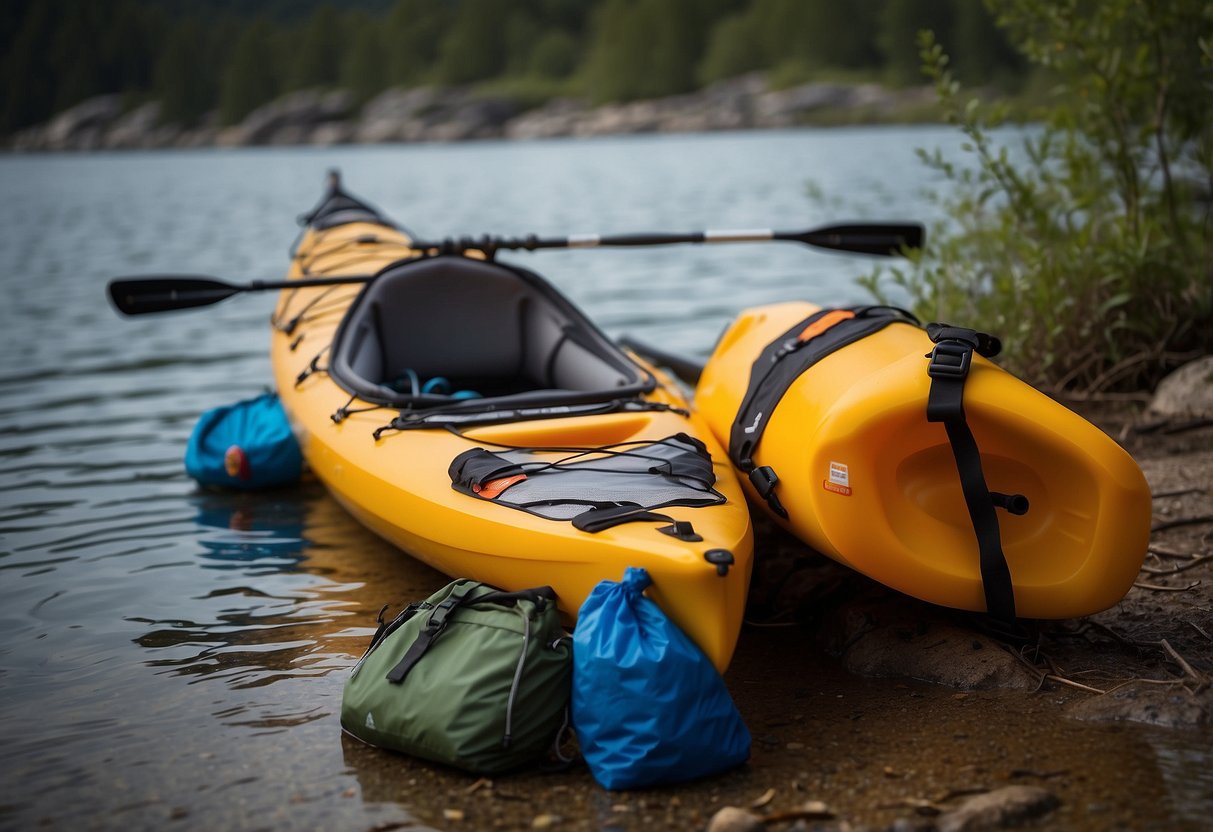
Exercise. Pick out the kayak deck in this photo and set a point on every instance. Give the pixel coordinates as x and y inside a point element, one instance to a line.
<point>397,481</point>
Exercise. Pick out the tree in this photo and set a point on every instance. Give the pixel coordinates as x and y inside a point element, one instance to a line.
<point>980,49</point>
<point>647,48</point>
<point>412,35</point>
<point>555,55</point>
<point>899,22</point>
<point>1092,256</point>
<point>249,79</point>
<point>316,58</point>
<point>185,93</point>
<point>362,65</point>
<point>474,47</point>
<point>735,47</point>
<point>27,71</point>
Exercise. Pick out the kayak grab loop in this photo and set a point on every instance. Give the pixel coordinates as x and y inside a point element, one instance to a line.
<point>948,367</point>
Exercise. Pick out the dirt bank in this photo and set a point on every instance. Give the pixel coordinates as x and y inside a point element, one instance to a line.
<point>873,711</point>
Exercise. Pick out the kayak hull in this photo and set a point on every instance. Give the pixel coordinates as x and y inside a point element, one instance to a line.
<point>397,483</point>
<point>868,481</point>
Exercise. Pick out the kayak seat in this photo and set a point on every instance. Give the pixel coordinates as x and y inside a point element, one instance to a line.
<point>500,331</point>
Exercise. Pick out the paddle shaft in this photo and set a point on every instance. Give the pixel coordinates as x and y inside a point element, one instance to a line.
<point>138,296</point>
<point>143,295</point>
<point>886,239</point>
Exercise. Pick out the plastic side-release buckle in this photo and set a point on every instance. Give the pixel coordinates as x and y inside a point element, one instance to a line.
<point>950,359</point>
<point>765,479</point>
<point>442,611</point>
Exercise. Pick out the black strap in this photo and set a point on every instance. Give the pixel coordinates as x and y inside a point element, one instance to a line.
<point>598,519</point>
<point>434,625</point>
<point>779,365</point>
<point>948,369</point>
<point>540,596</point>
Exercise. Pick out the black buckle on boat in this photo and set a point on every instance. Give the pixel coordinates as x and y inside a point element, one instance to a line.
<point>950,359</point>
<point>764,480</point>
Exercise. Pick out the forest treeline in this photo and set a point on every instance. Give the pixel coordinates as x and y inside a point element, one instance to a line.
<point>227,57</point>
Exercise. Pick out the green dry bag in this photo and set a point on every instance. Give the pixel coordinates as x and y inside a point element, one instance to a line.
<point>473,677</point>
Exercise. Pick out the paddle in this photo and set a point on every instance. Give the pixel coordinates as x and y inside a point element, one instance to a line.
<point>881,239</point>
<point>142,295</point>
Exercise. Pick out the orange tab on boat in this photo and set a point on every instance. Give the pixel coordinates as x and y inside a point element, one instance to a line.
<point>829,319</point>
<point>492,489</point>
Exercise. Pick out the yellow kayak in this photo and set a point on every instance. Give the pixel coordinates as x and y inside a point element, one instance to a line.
<point>465,411</point>
<point>1046,517</point>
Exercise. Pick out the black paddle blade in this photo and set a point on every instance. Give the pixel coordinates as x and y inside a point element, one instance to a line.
<point>882,240</point>
<point>144,295</point>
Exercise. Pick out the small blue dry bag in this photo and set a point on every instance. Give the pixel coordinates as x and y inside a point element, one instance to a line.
<point>246,445</point>
<point>648,706</point>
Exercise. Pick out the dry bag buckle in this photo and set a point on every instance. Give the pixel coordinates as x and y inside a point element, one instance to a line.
<point>950,359</point>
<point>437,619</point>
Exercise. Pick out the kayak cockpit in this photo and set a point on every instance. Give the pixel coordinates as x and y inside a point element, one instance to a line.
<point>452,333</point>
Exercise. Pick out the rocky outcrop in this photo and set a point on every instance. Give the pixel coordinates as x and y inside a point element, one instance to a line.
<point>1187,392</point>
<point>433,114</point>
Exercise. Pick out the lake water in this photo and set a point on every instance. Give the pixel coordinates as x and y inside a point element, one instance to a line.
<point>174,659</point>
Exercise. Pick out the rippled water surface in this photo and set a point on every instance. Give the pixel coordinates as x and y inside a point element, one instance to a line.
<point>176,656</point>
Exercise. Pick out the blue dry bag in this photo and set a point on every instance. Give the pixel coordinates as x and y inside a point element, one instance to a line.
<point>648,705</point>
<point>246,445</point>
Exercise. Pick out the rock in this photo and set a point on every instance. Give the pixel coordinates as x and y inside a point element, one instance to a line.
<point>734,819</point>
<point>472,118</point>
<point>138,128</point>
<point>1186,392</point>
<point>1167,707</point>
<point>389,116</point>
<point>291,118</point>
<point>81,127</point>
<point>783,107</point>
<point>558,117</point>
<point>896,637</point>
<point>455,114</point>
<point>1008,806</point>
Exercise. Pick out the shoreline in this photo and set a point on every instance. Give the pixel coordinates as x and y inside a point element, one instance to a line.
<point>434,114</point>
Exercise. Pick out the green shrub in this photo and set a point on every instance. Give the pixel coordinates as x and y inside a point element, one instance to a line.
<point>1090,251</point>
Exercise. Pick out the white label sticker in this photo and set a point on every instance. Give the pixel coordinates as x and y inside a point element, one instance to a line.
<point>839,475</point>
